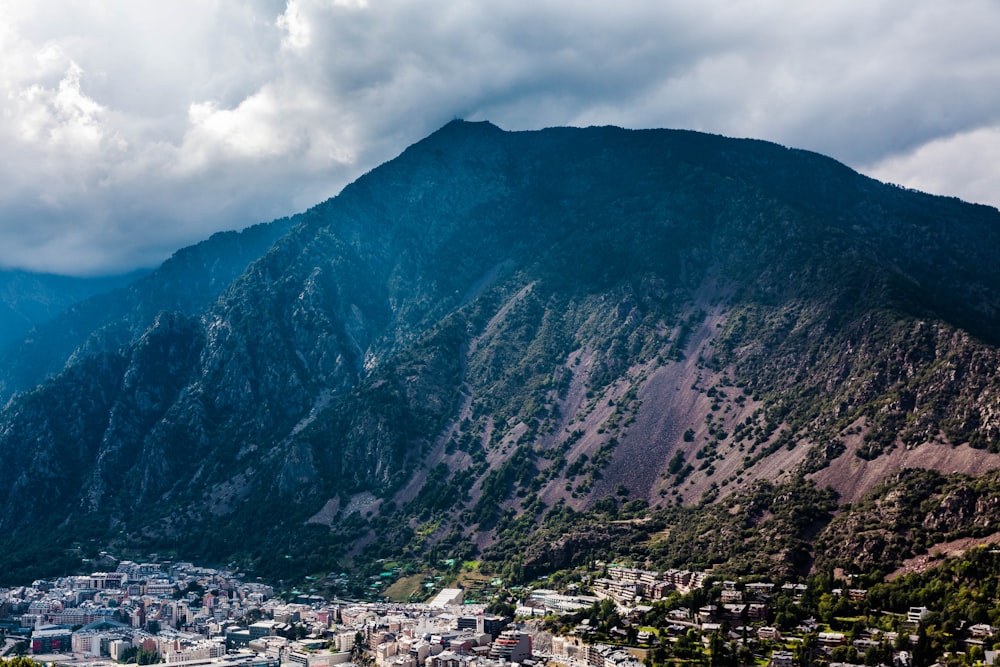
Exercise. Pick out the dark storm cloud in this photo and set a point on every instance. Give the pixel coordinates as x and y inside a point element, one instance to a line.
<point>130,129</point>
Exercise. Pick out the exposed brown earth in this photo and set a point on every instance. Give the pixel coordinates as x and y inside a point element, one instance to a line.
<point>673,397</point>
<point>938,551</point>
<point>852,477</point>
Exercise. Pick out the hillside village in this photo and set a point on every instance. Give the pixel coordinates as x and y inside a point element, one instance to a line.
<point>180,614</point>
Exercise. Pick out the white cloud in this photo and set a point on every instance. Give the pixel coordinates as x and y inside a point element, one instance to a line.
<point>965,165</point>
<point>252,131</point>
<point>297,30</point>
<point>141,127</point>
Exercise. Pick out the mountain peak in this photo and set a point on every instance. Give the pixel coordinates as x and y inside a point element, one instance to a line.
<point>458,127</point>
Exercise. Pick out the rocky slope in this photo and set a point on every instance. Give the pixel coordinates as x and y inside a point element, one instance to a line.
<point>497,328</point>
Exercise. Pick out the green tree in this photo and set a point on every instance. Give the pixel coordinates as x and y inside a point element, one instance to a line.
<point>806,649</point>
<point>19,661</point>
<point>144,657</point>
<point>922,655</point>
<point>720,653</point>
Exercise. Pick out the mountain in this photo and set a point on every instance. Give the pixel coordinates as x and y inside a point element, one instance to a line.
<point>499,334</point>
<point>28,299</point>
<point>112,313</point>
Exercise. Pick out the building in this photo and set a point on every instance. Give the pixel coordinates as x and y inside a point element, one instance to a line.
<point>87,643</point>
<point>782,659</point>
<point>760,591</point>
<point>829,639</point>
<point>263,629</point>
<point>756,611</point>
<point>447,659</point>
<point>602,655</point>
<point>199,652</point>
<point>298,658</point>
<point>512,646</point>
<point>117,649</point>
<point>160,587</point>
<point>627,585</point>
<point>236,639</point>
<point>491,625</point>
<point>446,598</point>
<point>467,623</point>
<point>795,590</point>
<point>624,592</point>
<point>53,640</point>
<point>345,641</point>
<point>981,630</point>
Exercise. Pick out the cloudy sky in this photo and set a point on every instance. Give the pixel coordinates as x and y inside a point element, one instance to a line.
<point>131,128</point>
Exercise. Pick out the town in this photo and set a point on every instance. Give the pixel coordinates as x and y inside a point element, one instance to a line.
<point>617,616</point>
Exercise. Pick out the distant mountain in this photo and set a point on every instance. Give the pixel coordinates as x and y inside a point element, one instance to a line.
<point>119,310</point>
<point>495,332</point>
<point>28,299</point>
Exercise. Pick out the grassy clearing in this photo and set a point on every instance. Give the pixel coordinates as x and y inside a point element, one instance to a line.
<point>407,589</point>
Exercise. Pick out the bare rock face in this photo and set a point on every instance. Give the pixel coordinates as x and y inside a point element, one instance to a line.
<point>494,325</point>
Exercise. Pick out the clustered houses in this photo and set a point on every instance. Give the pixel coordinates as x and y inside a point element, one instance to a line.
<point>174,610</point>
<point>738,613</point>
<point>749,604</point>
<point>628,585</point>
<point>422,636</point>
<point>543,601</point>
<point>602,655</point>
<point>181,615</point>
<point>197,617</point>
